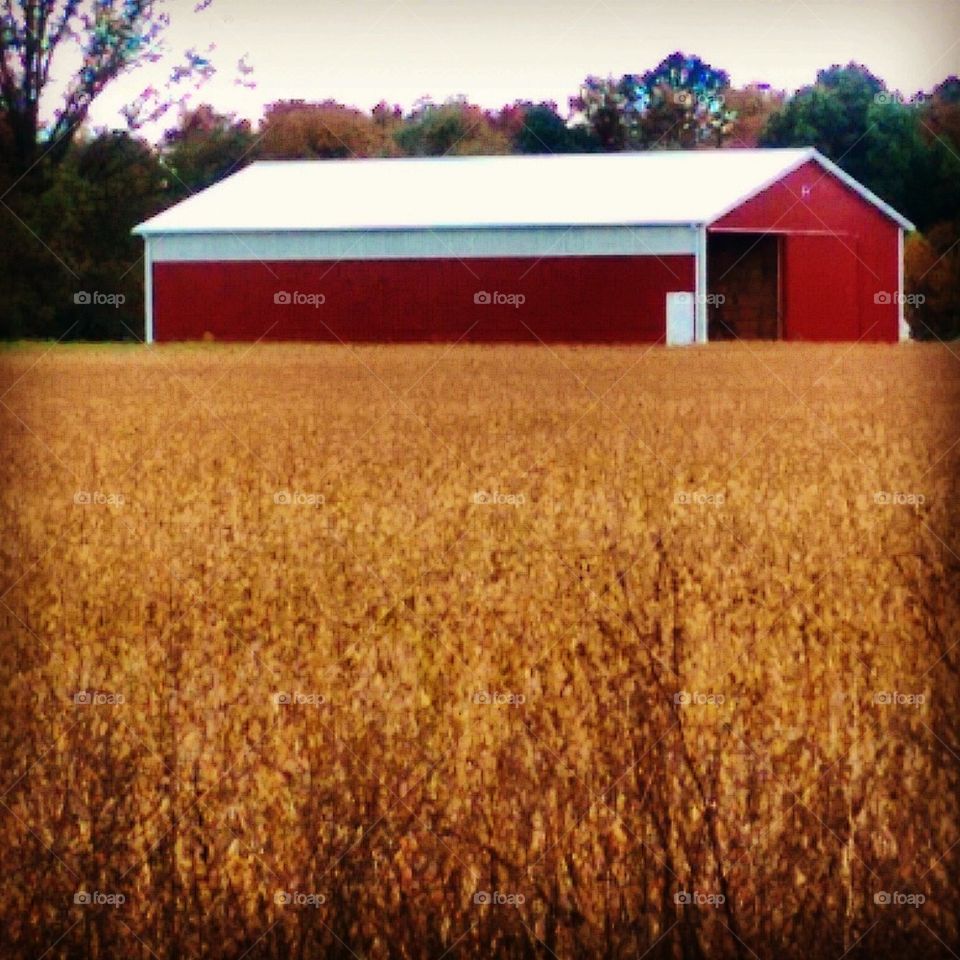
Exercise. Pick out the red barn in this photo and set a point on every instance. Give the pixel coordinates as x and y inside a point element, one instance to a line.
<point>673,247</point>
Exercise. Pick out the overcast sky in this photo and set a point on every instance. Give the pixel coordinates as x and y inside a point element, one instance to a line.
<point>362,51</point>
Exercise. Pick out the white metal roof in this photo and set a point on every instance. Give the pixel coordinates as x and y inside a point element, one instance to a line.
<point>658,187</point>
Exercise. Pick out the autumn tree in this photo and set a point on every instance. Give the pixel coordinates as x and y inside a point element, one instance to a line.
<point>750,109</point>
<point>300,130</point>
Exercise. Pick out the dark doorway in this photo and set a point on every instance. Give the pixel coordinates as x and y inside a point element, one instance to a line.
<point>743,280</point>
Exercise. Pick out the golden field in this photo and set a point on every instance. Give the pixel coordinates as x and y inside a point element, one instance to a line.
<point>377,651</point>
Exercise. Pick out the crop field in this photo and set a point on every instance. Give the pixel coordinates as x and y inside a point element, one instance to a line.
<point>457,651</point>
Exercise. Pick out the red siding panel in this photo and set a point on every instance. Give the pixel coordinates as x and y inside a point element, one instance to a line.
<point>836,287</point>
<point>585,299</point>
<point>820,288</point>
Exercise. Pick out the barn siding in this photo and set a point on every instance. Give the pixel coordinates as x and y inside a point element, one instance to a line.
<point>567,299</point>
<point>840,252</point>
<point>443,242</point>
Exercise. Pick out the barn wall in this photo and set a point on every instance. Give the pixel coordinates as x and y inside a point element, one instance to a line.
<point>586,299</point>
<point>443,243</point>
<point>840,268</point>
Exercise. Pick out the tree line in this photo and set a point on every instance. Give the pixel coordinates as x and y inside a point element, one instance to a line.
<point>69,199</point>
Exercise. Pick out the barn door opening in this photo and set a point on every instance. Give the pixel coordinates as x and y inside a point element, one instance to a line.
<point>743,276</point>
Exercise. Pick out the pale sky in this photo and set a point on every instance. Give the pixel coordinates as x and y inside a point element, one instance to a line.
<point>361,51</point>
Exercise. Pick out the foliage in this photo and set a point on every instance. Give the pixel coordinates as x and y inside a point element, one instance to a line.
<point>297,130</point>
<point>750,109</point>
<point>602,106</point>
<point>453,128</point>
<point>73,237</point>
<point>831,115</point>
<point>932,271</point>
<point>679,103</point>
<point>105,37</point>
<point>539,128</point>
<point>205,147</point>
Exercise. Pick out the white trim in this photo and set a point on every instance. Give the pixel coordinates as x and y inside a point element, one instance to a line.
<point>776,231</point>
<point>700,308</point>
<point>147,290</point>
<point>452,243</point>
<point>902,326</point>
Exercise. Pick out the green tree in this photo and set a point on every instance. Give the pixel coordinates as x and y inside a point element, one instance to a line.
<point>205,147</point>
<point>104,186</point>
<point>539,128</point>
<point>453,128</point>
<point>833,115</point>
<point>939,118</point>
<point>897,163</point>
